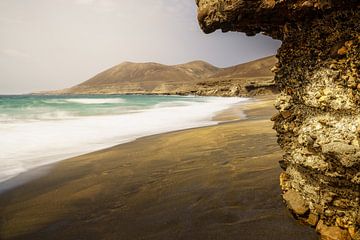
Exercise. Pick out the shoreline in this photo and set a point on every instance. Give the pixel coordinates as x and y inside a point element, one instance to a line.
<point>212,182</point>
<point>221,117</point>
<point>56,157</point>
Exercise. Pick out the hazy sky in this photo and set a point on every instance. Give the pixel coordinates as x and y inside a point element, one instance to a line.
<point>59,43</point>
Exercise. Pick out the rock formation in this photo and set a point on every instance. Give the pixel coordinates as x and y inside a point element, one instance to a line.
<point>318,123</point>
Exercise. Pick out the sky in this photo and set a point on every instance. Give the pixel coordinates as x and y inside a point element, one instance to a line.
<point>48,45</point>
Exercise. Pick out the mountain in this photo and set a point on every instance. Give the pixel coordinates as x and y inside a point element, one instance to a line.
<point>197,77</point>
<point>260,67</point>
<point>247,79</point>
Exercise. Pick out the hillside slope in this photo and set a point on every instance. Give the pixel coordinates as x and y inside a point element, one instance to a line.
<point>259,67</point>
<point>251,78</point>
<point>197,77</point>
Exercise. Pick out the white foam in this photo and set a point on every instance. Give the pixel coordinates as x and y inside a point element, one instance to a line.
<point>51,115</point>
<point>95,100</point>
<point>26,145</point>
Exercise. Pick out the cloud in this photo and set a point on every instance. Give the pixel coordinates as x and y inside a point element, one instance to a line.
<point>98,5</point>
<point>175,9</point>
<point>183,10</point>
<point>84,2</point>
<point>13,53</point>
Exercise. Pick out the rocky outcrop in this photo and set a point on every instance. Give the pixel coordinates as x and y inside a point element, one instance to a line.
<point>318,123</point>
<point>197,78</point>
<point>245,87</point>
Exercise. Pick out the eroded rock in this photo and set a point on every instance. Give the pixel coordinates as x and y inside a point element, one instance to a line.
<point>318,124</point>
<point>295,202</point>
<point>332,233</point>
<point>313,219</point>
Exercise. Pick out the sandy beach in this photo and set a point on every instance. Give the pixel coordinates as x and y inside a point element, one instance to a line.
<point>218,182</point>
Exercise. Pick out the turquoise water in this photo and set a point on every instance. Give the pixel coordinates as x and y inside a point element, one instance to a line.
<point>61,107</point>
<point>38,130</point>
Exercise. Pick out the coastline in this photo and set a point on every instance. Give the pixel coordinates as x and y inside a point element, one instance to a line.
<point>75,125</point>
<point>213,182</point>
<point>221,117</point>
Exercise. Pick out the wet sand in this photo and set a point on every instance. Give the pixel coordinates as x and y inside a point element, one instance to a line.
<point>218,182</point>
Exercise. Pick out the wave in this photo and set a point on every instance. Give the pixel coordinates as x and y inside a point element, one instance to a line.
<point>173,104</point>
<point>95,100</point>
<point>50,115</point>
<point>26,145</point>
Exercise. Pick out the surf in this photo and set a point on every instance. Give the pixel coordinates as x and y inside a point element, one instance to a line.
<point>37,140</point>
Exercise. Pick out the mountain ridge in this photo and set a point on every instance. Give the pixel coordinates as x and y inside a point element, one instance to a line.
<point>196,77</point>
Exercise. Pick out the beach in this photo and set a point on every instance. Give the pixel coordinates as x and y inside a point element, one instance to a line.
<point>214,182</point>
<point>57,127</point>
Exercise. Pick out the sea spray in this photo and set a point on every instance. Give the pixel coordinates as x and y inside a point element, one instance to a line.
<point>38,130</point>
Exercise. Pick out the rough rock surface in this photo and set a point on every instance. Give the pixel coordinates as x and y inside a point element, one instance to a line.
<point>295,202</point>
<point>318,123</point>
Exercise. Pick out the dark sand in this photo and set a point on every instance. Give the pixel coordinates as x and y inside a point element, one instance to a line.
<point>218,182</point>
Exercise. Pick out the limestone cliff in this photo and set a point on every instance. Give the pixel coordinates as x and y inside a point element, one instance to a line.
<point>318,123</point>
<point>197,77</point>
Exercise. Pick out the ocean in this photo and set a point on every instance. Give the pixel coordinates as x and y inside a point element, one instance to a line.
<point>39,130</point>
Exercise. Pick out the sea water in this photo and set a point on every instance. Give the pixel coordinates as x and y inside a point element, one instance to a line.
<point>38,130</point>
